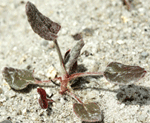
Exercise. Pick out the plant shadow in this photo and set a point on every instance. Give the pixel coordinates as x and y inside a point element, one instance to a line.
<point>27,89</point>
<point>129,94</point>
<point>134,95</point>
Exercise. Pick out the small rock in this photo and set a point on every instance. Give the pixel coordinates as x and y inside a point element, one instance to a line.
<point>91,95</point>
<point>22,2</point>
<point>77,36</point>
<point>44,43</point>
<point>29,67</point>
<point>23,59</point>
<point>10,94</point>
<point>51,74</point>
<point>24,111</point>
<point>86,53</point>
<point>88,32</point>
<point>1,91</point>
<point>3,4</point>
<point>62,101</point>
<point>142,117</point>
<point>35,52</point>
<point>122,106</point>
<point>144,54</point>
<point>142,10</point>
<point>51,45</point>
<point>124,19</point>
<point>64,31</point>
<point>110,41</point>
<point>2,98</point>
<point>120,42</point>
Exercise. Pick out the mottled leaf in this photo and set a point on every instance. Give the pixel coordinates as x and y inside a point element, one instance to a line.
<point>41,24</point>
<point>73,55</point>
<point>17,79</point>
<point>88,112</point>
<point>123,74</point>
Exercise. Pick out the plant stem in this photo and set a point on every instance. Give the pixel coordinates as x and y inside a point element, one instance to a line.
<point>74,96</point>
<point>46,81</point>
<point>128,3</point>
<point>60,58</point>
<point>75,75</point>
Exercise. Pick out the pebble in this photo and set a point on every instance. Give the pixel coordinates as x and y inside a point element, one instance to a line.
<point>91,95</point>
<point>10,93</point>
<point>88,32</point>
<point>122,106</point>
<point>144,54</point>
<point>35,52</point>
<point>2,98</point>
<point>44,43</point>
<point>142,10</point>
<point>142,117</point>
<point>24,111</point>
<point>124,19</point>
<point>1,91</point>
<point>64,31</point>
<point>120,42</point>
<point>51,73</point>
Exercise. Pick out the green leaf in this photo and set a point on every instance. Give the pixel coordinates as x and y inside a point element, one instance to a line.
<point>18,79</point>
<point>88,112</point>
<point>123,74</point>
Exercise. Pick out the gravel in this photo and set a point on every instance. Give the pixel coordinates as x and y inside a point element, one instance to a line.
<point>110,32</point>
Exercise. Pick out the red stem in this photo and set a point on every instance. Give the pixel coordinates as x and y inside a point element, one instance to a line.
<point>74,96</point>
<point>46,81</point>
<point>75,75</point>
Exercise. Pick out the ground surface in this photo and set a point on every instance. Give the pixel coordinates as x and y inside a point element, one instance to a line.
<point>111,33</point>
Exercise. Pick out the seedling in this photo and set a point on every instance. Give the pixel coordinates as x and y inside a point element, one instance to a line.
<point>115,72</point>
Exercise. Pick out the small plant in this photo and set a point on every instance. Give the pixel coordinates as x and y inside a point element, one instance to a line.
<point>115,72</point>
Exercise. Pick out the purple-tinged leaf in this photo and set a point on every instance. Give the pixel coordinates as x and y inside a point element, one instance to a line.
<point>73,55</point>
<point>43,101</point>
<point>123,74</point>
<point>18,79</point>
<point>88,112</point>
<point>73,69</point>
<point>41,24</point>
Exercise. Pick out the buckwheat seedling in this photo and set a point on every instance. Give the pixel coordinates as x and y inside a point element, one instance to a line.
<point>115,72</point>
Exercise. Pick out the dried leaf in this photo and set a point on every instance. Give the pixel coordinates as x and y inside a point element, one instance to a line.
<point>123,74</point>
<point>41,24</point>
<point>18,79</point>
<point>88,112</point>
<point>72,56</point>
